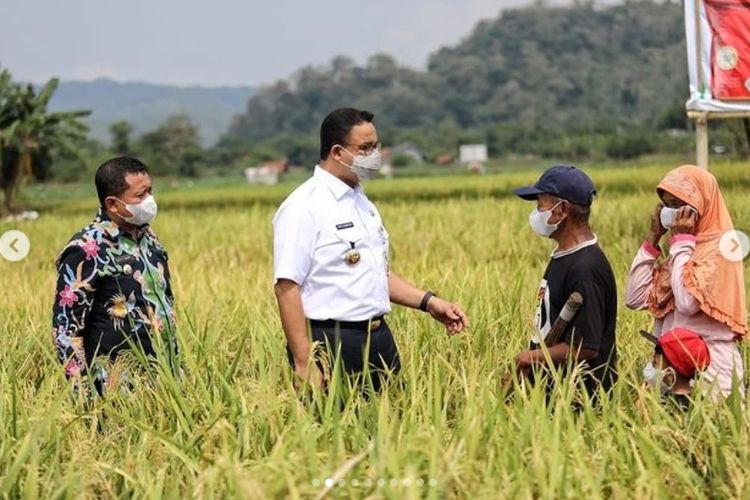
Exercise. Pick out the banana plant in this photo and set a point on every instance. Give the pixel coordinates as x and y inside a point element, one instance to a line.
<point>27,128</point>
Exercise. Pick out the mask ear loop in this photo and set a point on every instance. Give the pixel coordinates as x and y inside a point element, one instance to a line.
<point>673,372</point>
<point>557,205</point>
<point>557,224</point>
<point>350,167</point>
<point>551,209</point>
<point>125,205</point>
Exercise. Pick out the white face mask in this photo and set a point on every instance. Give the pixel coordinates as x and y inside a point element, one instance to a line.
<point>365,167</point>
<point>143,212</point>
<point>539,221</point>
<point>667,216</point>
<point>653,376</point>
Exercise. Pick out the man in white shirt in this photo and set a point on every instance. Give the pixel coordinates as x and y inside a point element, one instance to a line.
<point>331,268</point>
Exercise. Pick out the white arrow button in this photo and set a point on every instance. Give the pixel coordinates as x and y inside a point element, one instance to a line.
<point>14,245</point>
<point>734,245</point>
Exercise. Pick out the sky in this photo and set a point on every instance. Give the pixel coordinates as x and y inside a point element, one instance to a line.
<point>221,42</point>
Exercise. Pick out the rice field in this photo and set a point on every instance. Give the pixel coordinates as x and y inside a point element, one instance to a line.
<point>230,426</point>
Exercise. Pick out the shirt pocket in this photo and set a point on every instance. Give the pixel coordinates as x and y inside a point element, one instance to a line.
<point>120,278</point>
<point>334,244</point>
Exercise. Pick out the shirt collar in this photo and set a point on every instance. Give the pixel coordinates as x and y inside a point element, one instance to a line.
<point>557,254</point>
<point>338,187</point>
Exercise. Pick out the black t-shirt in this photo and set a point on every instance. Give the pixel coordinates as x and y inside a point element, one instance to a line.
<point>588,272</point>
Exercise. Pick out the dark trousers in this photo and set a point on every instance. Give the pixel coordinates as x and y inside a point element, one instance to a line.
<point>350,345</point>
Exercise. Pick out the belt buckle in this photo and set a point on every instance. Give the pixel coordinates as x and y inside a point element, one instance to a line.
<point>375,324</point>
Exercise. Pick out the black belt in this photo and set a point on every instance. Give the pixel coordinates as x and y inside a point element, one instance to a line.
<point>364,326</point>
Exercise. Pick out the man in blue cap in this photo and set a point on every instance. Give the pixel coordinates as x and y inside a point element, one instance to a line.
<point>563,196</point>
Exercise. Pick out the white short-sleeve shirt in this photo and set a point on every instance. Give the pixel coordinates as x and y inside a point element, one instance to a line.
<point>313,230</point>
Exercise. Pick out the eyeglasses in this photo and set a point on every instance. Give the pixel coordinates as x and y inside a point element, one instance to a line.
<point>366,149</point>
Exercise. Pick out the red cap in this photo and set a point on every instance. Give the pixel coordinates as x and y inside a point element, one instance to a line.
<point>685,350</point>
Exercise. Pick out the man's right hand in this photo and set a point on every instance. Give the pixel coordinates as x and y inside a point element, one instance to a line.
<point>656,231</point>
<point>73,369</point>
<point>305,373</point>
<point>293,322</point>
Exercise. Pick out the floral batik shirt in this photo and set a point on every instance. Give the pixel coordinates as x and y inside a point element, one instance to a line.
<point>113,294</point>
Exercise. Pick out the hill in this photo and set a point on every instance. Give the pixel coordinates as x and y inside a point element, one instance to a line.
<point>147,105</point>
<point>520,82</point>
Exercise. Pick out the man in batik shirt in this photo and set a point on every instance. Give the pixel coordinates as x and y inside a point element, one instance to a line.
<point>113,288</point>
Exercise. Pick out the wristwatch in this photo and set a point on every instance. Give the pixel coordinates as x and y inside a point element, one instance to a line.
<point>425,300</point>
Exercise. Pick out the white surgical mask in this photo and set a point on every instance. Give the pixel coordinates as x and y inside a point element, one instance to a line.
<point>539,221</point>
<point>667,216</point>
<point>143,212</point>
<point>365,167</point>
<point>654,376</point>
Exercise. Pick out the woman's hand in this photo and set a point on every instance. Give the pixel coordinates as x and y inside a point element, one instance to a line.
<point>686,221</point>
<point>656,231</point>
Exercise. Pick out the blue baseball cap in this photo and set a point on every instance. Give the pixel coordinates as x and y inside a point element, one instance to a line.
<point>564,181</point>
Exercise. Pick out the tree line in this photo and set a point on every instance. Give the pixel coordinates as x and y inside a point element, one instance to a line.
<point>570,83</point>
<point>573,82</point>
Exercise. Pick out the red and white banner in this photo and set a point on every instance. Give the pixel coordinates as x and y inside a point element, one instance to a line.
<point>718,43</point>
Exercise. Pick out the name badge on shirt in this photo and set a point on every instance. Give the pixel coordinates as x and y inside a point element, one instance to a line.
<point>344,225</point>
<point>124,259</point>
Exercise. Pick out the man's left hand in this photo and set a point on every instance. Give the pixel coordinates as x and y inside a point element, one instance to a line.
<point>451,315</point>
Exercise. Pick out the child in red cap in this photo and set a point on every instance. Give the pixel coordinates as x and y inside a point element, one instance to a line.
<point>678,355</point>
